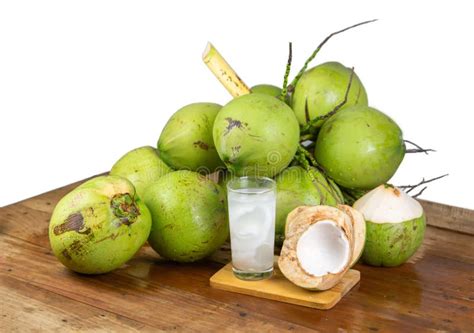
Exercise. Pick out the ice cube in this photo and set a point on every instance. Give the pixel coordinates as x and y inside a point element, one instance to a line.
<point>244,260</point>
<point>264,256</point>
<point>252,224</point>
<point>253,260</point>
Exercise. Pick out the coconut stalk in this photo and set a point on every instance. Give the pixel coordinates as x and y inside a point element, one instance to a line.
<point>418,149</point>
<point>316,51</point>
<point>409,188</point>
<point>311,124</point>
<point>284,90</point>
<point>224,72</point>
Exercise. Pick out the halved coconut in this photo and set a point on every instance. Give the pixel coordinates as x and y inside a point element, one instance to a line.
<point>318,247</point>
<point>359,228</point>
<point>395,226</point>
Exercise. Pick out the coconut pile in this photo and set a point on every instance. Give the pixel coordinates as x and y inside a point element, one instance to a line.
<point>330,153</point>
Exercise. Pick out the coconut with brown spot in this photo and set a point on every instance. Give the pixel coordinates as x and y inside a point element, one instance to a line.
<point>99,226</point>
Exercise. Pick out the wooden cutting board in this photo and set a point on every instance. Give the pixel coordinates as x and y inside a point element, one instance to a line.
<point>278,288</point>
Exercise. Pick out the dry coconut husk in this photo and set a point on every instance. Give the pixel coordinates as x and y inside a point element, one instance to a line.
<point>359,228</point>
<point>318,247</point>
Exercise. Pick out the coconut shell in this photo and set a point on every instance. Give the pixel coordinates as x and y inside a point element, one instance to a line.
<point>359,228</point>
<point>392,244</point>
<point>298,221</point>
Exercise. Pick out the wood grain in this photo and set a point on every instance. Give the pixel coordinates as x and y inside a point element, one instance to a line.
<point>278,288</point>
<point>449,217</point>
<point>38,309</point>
<point>433,291</point>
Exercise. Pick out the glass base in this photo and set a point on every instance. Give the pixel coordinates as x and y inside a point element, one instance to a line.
<point>252,276</point>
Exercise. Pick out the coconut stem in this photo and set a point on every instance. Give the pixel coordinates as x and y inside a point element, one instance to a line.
<point>315,52</point>
<point>124,208</point>
<point>409,188</point>
<point>284,90</point>
<point>349,198</point>
<point>312,123</point>
<point>302,156</point>
<point>306,137</point>
<point>418,148</point>
<point>306,111</point>
<point>308,155</point>
<point>420,192</point>
<point>224,73</point>
<point>299,156</point>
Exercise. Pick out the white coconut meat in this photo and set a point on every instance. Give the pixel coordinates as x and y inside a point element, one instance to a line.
<point>318,247</point>
<point>323,248</point>
<point>388,204</point>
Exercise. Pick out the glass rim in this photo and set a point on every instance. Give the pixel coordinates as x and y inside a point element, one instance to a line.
<point>269,186</point>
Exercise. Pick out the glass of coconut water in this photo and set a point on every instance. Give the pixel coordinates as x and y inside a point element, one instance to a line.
<point>252,204</point>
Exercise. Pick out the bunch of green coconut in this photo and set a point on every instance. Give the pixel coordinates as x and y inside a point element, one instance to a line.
<point>316,136</point>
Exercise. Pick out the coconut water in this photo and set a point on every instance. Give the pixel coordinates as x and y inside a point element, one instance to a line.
<point>252,229</point>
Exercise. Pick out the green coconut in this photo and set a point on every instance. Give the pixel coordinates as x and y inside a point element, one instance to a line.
<point>189,216</point>
<point>142,166</point>
<point>360,147</point>
<point>256,135</point>
<point>186,141</point>
<point>99,226</point>
<point>396,226</point>
<point>297,187</point>
<point>322,88</point>
<point>266,89</point>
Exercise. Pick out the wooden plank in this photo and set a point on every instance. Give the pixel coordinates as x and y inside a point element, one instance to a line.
<point>25,307</point>
<point>278,288</point>
<point>433,291</point>
<point>389,299</point>
<point>449,217</point>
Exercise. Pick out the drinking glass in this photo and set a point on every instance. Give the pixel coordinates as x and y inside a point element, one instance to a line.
<point>252,204</point>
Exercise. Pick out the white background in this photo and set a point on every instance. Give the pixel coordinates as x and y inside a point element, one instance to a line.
<point>83,82</point>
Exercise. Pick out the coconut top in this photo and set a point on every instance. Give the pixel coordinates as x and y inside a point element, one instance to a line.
<point>387,204</point>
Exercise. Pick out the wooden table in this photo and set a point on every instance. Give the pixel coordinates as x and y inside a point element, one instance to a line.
<point>434,291</point>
